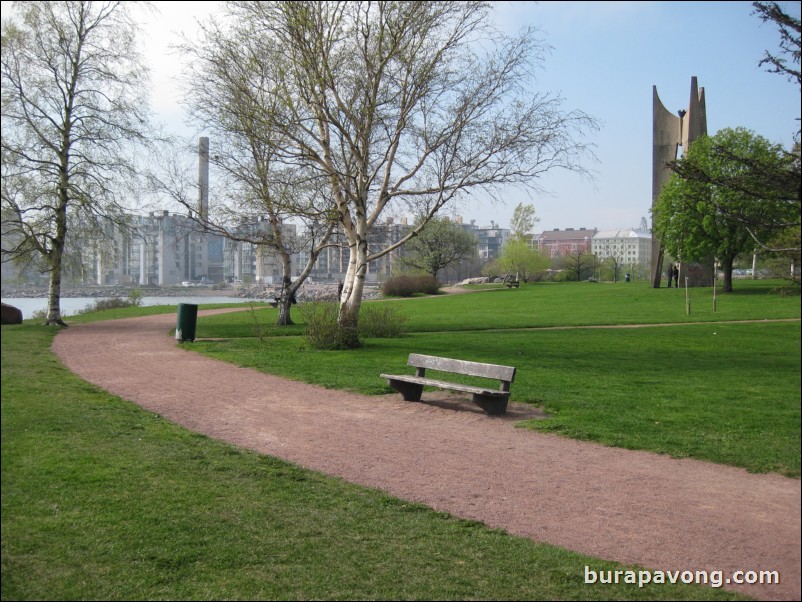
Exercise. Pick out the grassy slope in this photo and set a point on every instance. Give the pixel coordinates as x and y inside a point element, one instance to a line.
<point>102,500</point>
<point>727,393</point>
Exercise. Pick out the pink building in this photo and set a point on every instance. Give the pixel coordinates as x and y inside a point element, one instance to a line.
<point>553,243</point>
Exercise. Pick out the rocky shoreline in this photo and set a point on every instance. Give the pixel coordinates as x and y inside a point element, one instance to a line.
<point>71,292</point>
<point>308,292</point>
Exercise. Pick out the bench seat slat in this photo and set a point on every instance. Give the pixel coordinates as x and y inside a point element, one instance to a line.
<point>444,364</point>
<point>430,382</point>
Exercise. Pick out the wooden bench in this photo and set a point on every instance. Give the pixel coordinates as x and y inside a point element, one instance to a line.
<point>513,284</point>
<point>492,401</point>
<point>277,299</point>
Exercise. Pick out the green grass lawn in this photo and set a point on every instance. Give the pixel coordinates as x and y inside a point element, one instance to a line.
<point>577,304</point>
<point>553,304</point>
<point>103,500</point>
<point>723,392</point>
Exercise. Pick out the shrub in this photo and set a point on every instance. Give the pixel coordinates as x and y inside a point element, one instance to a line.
<point>406,285</point>
<point>134,300</point>
<point>375,321</point>
<point>112,303</point>
<point>135,297</point>
<point>428,284</point>
<point>381,321</point>
<point>322,330</point>
<point>397,286</point>
<point>564,276</point>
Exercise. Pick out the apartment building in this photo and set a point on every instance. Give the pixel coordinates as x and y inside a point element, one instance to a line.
<point>553,243</point>
<point>166,249</point>
<point>490,239</point>
<point>632,246</point>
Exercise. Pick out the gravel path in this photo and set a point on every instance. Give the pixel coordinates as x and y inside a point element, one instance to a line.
<point>633,507</point>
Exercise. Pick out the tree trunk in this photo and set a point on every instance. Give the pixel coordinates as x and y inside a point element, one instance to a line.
<point>55,259</point>
<point>726,269</point>
<point>284,306</point>
<point>287,295</point>
<point>54,297</point>
<point>351,298</point>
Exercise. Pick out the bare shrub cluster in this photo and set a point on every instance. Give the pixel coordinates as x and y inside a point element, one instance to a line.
<point>406,285</point>
<point>325,333</point>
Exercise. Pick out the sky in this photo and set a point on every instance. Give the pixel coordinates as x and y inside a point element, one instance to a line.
<point>604,60</point>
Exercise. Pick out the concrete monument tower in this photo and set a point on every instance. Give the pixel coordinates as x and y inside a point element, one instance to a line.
<point>670,131</point>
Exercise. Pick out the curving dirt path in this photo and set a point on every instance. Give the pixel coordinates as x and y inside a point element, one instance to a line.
<point>633,507</point>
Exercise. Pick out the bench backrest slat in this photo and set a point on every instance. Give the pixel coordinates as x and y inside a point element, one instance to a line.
<point>503,373</point>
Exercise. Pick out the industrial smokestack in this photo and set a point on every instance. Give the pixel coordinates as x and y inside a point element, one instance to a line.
<point>203,178</point>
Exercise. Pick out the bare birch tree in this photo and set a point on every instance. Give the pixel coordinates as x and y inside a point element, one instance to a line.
<point>404,107</point>
<point>254,200</point>
<point>229,95</point>
<point>73,104</point>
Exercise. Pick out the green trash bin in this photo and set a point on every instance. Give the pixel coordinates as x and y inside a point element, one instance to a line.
<point>187,320</point>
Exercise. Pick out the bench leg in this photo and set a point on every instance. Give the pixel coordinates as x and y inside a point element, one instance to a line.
<point>410,391</point>
<point>491,405</point>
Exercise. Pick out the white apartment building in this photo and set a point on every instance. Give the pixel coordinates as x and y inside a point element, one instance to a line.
<point>164,249</point>
<point>629,247</point>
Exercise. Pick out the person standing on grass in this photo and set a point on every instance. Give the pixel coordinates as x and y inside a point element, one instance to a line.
<point>670,273</point>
